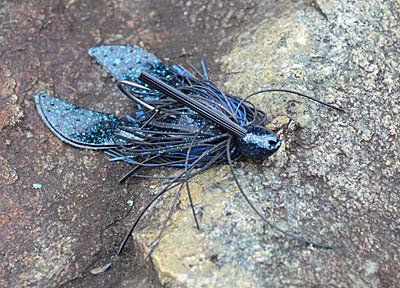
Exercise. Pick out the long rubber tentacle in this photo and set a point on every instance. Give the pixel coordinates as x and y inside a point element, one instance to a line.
<point>269,223</point>
<point>166,188</point>
<point>164,226</point>
<point>152,200</point>
<point>293,92</point>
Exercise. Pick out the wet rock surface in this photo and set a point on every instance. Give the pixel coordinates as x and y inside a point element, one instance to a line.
<point>336,178</point>
<point>62,212</point>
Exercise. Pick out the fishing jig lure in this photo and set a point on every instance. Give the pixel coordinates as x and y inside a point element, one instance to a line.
<point>182,120</point>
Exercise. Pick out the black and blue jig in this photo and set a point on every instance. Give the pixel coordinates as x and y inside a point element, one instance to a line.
<point>182,120</point>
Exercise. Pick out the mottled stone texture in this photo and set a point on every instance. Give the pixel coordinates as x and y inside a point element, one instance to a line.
<point>61,210</point>
<point>336,177</point>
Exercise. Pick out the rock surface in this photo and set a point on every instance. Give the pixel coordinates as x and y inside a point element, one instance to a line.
<point>336,178</point>
<point>62,212</point>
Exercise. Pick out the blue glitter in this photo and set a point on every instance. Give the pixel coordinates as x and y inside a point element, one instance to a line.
<point>164,131</point>
<point>78,126</point>
<point>126,62</point>
<point>259,143</point>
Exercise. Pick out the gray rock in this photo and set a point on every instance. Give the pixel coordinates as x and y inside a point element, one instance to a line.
<point>336,178</point>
